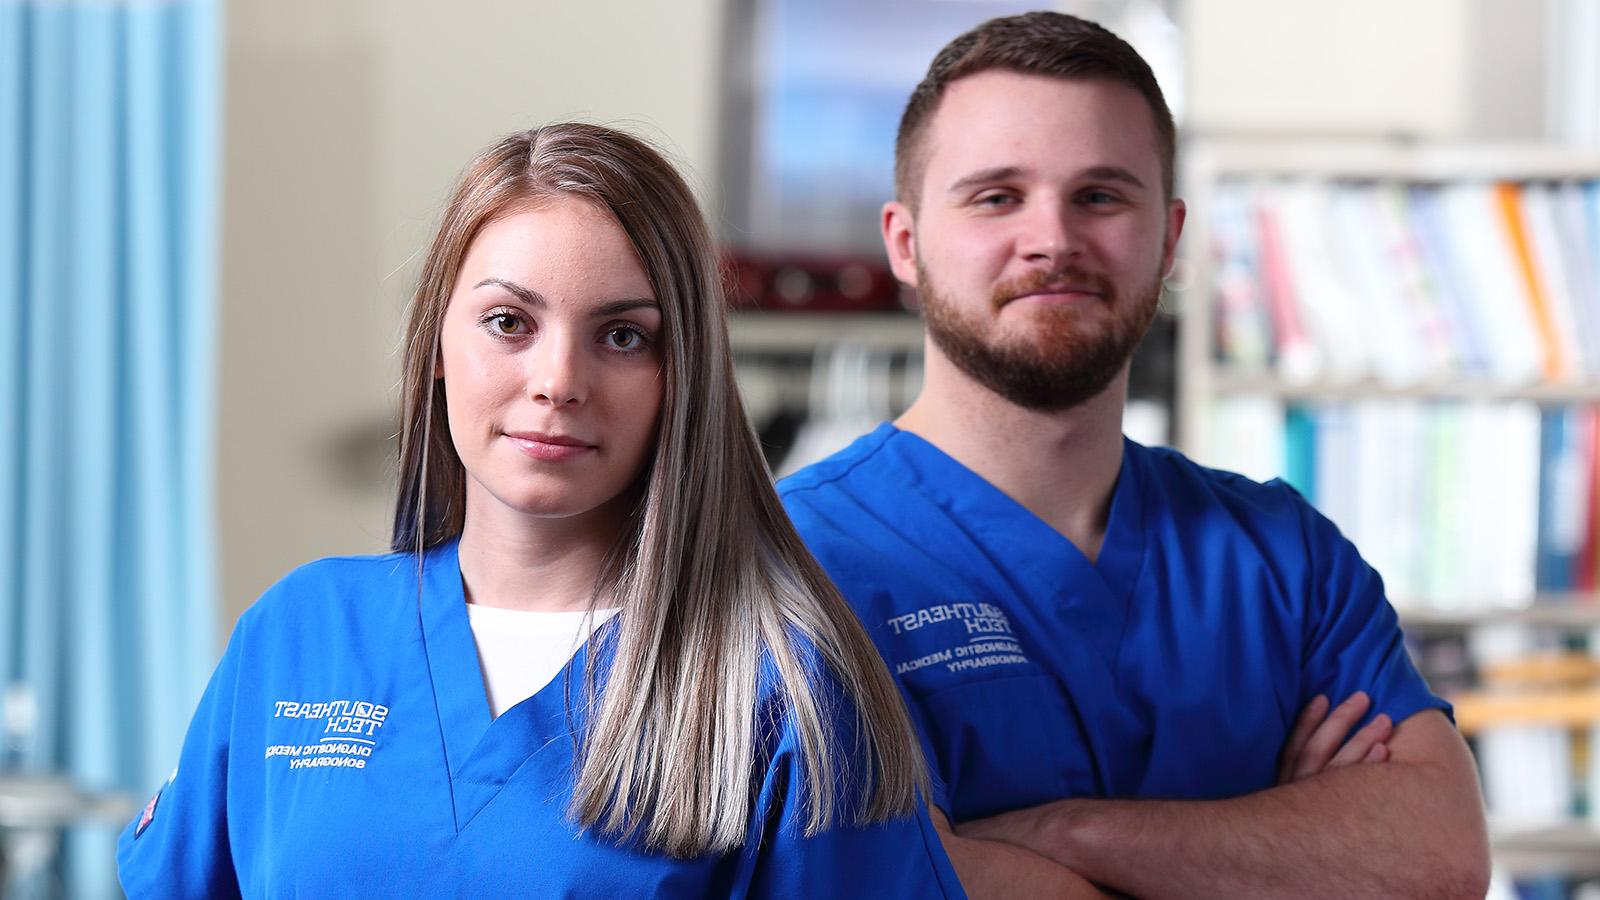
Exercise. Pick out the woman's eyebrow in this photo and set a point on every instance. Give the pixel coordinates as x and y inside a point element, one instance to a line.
<point>530,297</point>
<point>617,307</point>
<point>526,295</point>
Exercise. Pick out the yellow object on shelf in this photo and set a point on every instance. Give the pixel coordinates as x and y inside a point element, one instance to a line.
<point>1544,669</point>
<point>1567,707</point>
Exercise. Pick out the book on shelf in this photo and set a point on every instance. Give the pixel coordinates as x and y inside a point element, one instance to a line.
<point>1528,698</point>
<point>1461,506</point>
<point>1405,283</point>
<point>1418,353</point>
<point>1566,442</point>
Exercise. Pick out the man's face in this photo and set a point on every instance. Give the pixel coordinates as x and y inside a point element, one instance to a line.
<point>1042,233</point>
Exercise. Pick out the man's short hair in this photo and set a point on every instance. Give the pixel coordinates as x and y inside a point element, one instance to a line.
<point>1036,43</point>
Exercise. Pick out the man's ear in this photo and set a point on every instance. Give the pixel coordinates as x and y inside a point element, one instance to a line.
<point>900,241</point>
<point>1176,212</point>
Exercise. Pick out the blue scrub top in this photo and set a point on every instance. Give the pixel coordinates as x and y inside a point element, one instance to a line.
<point>344,747</point>
<point>1173,666</point>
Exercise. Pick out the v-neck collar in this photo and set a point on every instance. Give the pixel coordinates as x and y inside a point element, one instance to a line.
<point>1077,611</point>
<point>482,752</point>
<point>995,516</point>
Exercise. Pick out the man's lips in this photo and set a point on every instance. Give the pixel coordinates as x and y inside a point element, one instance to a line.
<point>1061,292</point>
<point>541,445</point>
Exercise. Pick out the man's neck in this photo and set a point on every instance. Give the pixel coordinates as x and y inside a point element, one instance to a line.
<point>1061,466</point>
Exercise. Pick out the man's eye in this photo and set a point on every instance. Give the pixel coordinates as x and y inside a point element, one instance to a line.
<point>996,200</point>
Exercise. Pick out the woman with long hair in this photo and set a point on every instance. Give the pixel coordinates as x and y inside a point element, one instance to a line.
<point>598,660</point>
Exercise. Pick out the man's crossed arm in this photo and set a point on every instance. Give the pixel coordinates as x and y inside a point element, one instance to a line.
<point>1411,827</point>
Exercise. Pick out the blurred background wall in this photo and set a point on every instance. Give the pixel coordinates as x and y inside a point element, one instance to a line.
<point>346,123</point>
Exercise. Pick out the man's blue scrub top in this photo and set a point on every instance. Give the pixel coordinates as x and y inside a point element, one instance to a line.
<point>344,748</point>
<point>1173,666</point>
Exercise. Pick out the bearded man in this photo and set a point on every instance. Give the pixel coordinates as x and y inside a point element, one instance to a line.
<point>1122,663</point>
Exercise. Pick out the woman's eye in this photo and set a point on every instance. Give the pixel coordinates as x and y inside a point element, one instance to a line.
<point>505,323</point>
<point>624,339</point>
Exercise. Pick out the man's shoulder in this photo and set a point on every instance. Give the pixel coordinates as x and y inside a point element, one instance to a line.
<point>841,474</point>
<point>1173,478</point>
<point>862,516</point>
<point>852,495</point>
<point>1189,502</point>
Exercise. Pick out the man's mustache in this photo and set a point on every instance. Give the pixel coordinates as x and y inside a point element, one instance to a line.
<point>1065,278</point>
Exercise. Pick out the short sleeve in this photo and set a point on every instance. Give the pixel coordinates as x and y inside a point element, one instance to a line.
<point>178,846</point>
<point>1352,635</point>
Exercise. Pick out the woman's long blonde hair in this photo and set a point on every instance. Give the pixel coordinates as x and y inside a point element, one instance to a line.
<point>710,574</point>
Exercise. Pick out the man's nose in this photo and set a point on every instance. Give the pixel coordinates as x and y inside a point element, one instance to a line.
<point>1048,236</point>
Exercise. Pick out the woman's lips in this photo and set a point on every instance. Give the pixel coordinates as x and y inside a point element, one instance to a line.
<point>548,446</point>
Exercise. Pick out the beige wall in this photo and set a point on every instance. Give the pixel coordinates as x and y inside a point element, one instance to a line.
<point>1433,69</point>
<point>346,122</point>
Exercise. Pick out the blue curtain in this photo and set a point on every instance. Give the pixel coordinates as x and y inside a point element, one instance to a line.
<point>108,236</point>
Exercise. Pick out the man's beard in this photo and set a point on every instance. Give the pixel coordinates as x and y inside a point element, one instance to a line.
<point>1070,357</point>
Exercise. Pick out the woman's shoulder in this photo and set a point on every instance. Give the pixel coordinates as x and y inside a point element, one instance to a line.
<point>334,587</point>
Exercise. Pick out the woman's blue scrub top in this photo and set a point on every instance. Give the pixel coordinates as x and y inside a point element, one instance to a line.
<point>344,747</point>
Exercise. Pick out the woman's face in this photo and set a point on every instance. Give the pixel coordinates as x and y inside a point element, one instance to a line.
<point>551,363</point>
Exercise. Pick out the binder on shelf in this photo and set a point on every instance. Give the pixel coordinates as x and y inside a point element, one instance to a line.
<point>1553,333</point>
<point>1498,294</point>
<point>1408,284</point>
<point>1563,496</point>
<point>1298,356</point>
<point>1588,576</point>
<point>1579,242</point>
<point>1462,507</point>
<point>1467,329</point>
<point>1243,329</point>
<point>1423,325</point>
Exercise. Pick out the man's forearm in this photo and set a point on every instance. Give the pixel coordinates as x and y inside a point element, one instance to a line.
<point>1402,830</point>
<point>996,869</point>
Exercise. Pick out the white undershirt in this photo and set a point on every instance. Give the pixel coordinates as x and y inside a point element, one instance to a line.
<point>521,651</point>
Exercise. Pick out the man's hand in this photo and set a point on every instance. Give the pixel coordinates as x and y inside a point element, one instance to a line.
<point>1318,742</point>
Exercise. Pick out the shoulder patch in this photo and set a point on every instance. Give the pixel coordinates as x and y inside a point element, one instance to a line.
<point>149,814</point>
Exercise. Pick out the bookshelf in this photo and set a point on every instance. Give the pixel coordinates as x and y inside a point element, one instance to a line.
<point>1572,848</point>
<point>1210,163</point>
<point>1356,283</point>
<point>1410,334</point>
